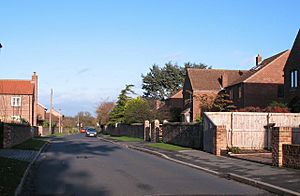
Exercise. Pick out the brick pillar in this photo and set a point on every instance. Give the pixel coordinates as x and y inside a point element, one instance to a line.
<point>220,139</point>
<point>155,131</point>
<point>147,130</point>
<point>280,135</point>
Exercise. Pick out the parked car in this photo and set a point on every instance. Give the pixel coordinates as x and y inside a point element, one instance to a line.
<point>83,130</point>
<point>91,132</point>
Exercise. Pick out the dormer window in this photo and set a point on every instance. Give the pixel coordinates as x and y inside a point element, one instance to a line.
<point>294,79</point>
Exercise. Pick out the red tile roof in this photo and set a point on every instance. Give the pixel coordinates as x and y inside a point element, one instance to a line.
<point>177,95</point>
<point>16,87</point>
<point>264,63</point>
<point>210,79</point>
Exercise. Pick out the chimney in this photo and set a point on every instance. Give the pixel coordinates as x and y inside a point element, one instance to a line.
<point>258,59</point>
<point>35,98</point>
<point>224,80</point>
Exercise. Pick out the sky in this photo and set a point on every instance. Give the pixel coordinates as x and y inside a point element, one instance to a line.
<point>88,50</point>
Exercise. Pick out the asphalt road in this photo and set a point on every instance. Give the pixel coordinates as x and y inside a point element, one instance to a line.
<point>76,165</point>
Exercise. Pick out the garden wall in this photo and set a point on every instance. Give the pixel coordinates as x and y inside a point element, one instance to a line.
<point>183,134</point>
<point>13,134</point>
<point>291,155</point>
<point>134,130</point>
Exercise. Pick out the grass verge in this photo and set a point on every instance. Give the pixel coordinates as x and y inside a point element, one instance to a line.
<point>125,139</point>
<point>11,172</point>
<point>164,146</point>
<point>31,144</point>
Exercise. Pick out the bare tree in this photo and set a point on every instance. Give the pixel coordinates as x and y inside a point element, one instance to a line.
<point>103,110</point>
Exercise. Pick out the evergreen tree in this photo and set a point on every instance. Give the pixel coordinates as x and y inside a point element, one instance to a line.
<point>118,112</point>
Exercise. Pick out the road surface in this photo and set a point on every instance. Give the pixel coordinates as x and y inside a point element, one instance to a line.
<point>76,165</point>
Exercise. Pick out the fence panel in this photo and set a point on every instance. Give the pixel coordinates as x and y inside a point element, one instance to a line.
<point>249,130</point>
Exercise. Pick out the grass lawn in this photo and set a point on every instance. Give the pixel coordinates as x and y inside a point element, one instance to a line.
<point>164,146</point>
<point>11,172</point>
<point>126,139</point>
<point>31,144</point>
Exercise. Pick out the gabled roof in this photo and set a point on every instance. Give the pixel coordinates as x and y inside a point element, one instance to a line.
<point>209,79</point>
<point>294,58</point>
<point>16,87</point>
<point>177,95</point>
<point>259,67</point>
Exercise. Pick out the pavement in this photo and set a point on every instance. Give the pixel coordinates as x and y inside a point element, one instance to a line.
<point>23,155</point>
<point>279,180</point>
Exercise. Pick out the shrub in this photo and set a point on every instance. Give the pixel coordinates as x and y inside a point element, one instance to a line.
<point>277,107</point>
<point>235,150</point>
<point>250,109</point>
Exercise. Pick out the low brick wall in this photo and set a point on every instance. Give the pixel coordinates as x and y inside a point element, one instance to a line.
<point>134,130</point>
<point>12,134</point>
<point>291,155</point>
<point>183,134</point>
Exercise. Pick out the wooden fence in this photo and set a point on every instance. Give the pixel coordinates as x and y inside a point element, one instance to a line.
<point>252,130</point>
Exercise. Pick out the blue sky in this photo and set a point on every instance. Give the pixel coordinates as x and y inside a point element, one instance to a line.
<point>88,50</point>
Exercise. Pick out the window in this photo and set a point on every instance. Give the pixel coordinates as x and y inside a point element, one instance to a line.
<point>16,101</point>
<point>240,92</point>
<point>280,91</point>
<point>294,79</point>
<point>231,94</point>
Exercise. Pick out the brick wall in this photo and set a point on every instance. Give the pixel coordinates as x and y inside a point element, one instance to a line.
<point>280,136</point>
<point>220,142</point>
<point>291,155</point>
<point>183,134</point>
<point>15,134</point>
<point>134,130</point>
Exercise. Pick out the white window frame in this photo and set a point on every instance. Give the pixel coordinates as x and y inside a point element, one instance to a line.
<point>16,101</point>
<point>294,78</point>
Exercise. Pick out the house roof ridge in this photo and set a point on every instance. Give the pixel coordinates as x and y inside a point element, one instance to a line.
<point>256,69</point>
<point>276,57</point>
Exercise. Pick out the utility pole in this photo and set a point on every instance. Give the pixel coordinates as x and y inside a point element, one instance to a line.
<point>50,117</point>
<point>78,123</point>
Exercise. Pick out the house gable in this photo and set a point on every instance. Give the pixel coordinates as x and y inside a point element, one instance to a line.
<point>272,71</point>
<point>292,67</point>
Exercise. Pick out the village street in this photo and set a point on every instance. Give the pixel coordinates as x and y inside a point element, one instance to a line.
<point>77,165</point>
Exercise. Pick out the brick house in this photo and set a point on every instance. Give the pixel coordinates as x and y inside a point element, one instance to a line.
<point>56,119</point>
<point>165,108</point>
<point>291,77</point>
<point>204,82</point>
<point>19,100</point>
<point>260,85</point>
<point>41,114</point>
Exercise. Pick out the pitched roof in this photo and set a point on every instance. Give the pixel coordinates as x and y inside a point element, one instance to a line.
<point>16,87</point>
<point>259,67</point>
<point>177,95</point>
<point>294,58</point>
<point>209,79</point>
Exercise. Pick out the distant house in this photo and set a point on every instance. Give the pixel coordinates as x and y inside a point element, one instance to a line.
<point>41,114</point>
<point>260,85</point>
<point>56,118</point>
<point>169,109</point>
<point>204,82</point>
<point>19,100</point>
<point>291,77</point>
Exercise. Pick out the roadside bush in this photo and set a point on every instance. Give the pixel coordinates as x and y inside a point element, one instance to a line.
<point>277,107</point>
<point>235,150</point>
<point>250,109</point>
